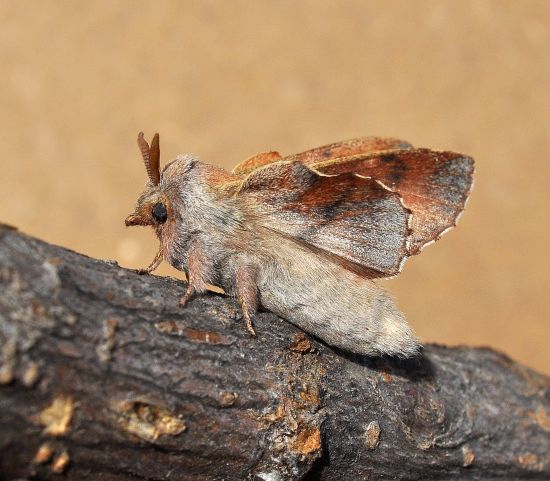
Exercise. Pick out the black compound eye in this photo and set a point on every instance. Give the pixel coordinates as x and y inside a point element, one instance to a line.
<point>159,213</point>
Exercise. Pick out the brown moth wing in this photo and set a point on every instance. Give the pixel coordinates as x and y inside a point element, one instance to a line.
<point>256,161</point>
<point>434,185</point>
<point>360,145</point>
<point>355,220</point>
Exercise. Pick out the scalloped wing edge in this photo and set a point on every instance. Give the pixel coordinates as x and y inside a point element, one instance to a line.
<point>469,177</point>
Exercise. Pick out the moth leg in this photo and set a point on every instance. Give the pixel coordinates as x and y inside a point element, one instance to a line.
<point>189,293</point>
<point>247,295</point>
<point>198,270</point>
<point>154,264</point>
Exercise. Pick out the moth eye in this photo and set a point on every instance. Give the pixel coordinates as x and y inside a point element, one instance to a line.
<point>159,213</point>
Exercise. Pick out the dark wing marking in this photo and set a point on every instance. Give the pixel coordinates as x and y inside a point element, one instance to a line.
<point>347,216</point>
<point>434,185</point>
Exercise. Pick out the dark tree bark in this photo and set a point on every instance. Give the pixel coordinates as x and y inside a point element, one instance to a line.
<point>104,377</point>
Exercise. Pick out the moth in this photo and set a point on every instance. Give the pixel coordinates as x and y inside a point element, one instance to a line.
<point>306,235</point>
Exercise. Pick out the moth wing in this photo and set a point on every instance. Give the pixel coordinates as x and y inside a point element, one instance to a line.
<point>346,148</point>
<point>256,161</point>
<point>354,220</point>
<point>434,185</point>
<point>359,145</point>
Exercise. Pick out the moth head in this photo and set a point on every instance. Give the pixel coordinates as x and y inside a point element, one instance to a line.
<point>152,207</point>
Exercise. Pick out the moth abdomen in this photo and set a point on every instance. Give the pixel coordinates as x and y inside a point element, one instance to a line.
<point>340,307</point>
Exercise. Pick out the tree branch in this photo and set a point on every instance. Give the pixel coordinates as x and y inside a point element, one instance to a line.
<point>104,377</point>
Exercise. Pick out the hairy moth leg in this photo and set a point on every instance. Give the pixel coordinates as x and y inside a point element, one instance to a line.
<point>198,273</point>
<point>154,264</point>
<point>247,295</point>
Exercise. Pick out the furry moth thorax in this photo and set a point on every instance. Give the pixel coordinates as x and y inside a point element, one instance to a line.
<point>305,235</point>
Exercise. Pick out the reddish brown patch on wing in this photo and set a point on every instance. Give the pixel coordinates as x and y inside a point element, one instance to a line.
<point>256,161</point>
<point>434,185</point>
<point>360,145</point>
<point>218,177</point>
<point>346,216</point>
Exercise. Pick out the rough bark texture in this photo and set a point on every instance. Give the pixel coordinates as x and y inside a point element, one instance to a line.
<point>104,377</point>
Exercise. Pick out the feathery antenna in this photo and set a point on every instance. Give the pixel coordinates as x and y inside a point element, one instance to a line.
<point>151,157</point>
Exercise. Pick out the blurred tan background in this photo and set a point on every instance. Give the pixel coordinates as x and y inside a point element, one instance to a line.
<point>228,79</point>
